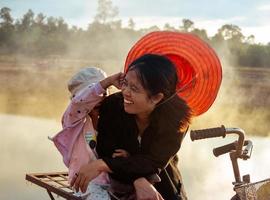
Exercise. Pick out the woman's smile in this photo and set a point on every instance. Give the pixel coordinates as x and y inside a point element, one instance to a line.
<point>128,102</point>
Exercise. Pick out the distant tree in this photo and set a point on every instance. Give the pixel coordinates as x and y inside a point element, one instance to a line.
<point>150,29</point>
<point>256,56</point>
<point>188,25</point>
<point>27,20</point>
<point>51,24</point>
<point>250,39</point>
<point>6,24</point>
<point>105,12</point>
<point>40,19</point>
<point>5,16</point>
<point>26,34</point>
<point>6,30</point>
<point>45,36</point>
<point>131,24</point>
<point>200,33</point>
<point>62,26</point>
<point>230,31</point>
<point>217,39</point>
<point>168,27</point>
<point>116,25</point>
<point>39,25</point>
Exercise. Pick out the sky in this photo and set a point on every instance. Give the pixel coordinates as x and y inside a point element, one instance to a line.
<point>252,16</point>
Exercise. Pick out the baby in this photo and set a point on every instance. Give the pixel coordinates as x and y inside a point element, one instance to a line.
<point>79,128</point>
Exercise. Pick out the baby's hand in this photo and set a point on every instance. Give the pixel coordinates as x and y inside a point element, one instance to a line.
<point>120,153</point>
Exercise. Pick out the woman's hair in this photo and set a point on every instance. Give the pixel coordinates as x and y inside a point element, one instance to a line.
<point>158,74</point>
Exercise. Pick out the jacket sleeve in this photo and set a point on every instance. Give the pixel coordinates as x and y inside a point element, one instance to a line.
<point>81,104</point>
<point>162,149</point>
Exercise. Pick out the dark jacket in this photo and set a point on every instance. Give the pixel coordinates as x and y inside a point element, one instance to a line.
<point>159,144</point>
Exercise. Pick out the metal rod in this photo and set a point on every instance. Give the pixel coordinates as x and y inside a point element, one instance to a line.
<point>235,166</point>
<point>50,194</point>
<point>234,155</point>
<point>241,139</point>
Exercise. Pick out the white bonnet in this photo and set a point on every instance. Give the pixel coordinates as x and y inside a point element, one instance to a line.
<point>85,77</point>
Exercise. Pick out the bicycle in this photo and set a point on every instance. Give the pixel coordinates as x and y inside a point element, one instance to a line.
<point>239,149</point>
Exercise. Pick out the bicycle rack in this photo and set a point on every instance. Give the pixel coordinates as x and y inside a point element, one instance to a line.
<point>56,183</point>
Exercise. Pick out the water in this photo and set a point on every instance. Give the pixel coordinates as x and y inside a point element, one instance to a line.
<point>25,149</point>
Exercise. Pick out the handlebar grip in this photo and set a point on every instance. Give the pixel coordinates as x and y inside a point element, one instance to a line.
<point>227,148</point>
<point>224,149</point>
<point>208,133</point>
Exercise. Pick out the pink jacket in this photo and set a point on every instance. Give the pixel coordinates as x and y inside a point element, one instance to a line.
<point>76,122</point>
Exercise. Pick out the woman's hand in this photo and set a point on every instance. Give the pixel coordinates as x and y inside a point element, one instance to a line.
<point>115,80</point>
<point>120,153</point>
<point>145,190</point>
<point>87,173</point>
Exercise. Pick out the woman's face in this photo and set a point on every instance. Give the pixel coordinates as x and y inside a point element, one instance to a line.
<point>136,98</point>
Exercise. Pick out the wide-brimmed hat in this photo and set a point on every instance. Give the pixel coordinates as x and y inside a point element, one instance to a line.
<point>198,67</point>
<point>84,77</point>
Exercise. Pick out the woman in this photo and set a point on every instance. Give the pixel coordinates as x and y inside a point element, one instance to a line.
<point>148,120</point>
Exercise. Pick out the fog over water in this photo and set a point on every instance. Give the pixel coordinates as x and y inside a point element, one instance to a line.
<point>33,97</point>
<point>25,149</point>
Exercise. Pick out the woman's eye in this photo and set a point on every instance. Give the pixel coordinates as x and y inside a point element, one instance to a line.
<point>124,83</point>
<point>134,89</point>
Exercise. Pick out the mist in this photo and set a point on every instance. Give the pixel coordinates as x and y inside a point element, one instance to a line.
<point>243,99</point>
<point>35,69</point>
<point>34,95</point>
<point>34,98</point>
<point>38,87</point>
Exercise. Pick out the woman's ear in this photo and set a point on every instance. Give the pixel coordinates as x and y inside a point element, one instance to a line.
<point>157,98</point>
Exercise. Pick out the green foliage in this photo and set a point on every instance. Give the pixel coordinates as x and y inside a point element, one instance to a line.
<point>105,38</point>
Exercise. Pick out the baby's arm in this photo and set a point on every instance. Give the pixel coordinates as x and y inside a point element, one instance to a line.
<point>81,104</point>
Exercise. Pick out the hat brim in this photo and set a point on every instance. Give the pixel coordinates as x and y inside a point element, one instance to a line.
<point>198,67</point>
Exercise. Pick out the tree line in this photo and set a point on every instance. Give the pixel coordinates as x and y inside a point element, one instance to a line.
<point>36,35</point>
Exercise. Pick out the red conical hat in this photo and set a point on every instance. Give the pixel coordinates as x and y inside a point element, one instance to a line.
<point>198,67</point>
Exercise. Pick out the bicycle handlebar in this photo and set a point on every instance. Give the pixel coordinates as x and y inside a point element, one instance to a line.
<point>208,133</point>
<point>224,149</point>
<point>234,148</point>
